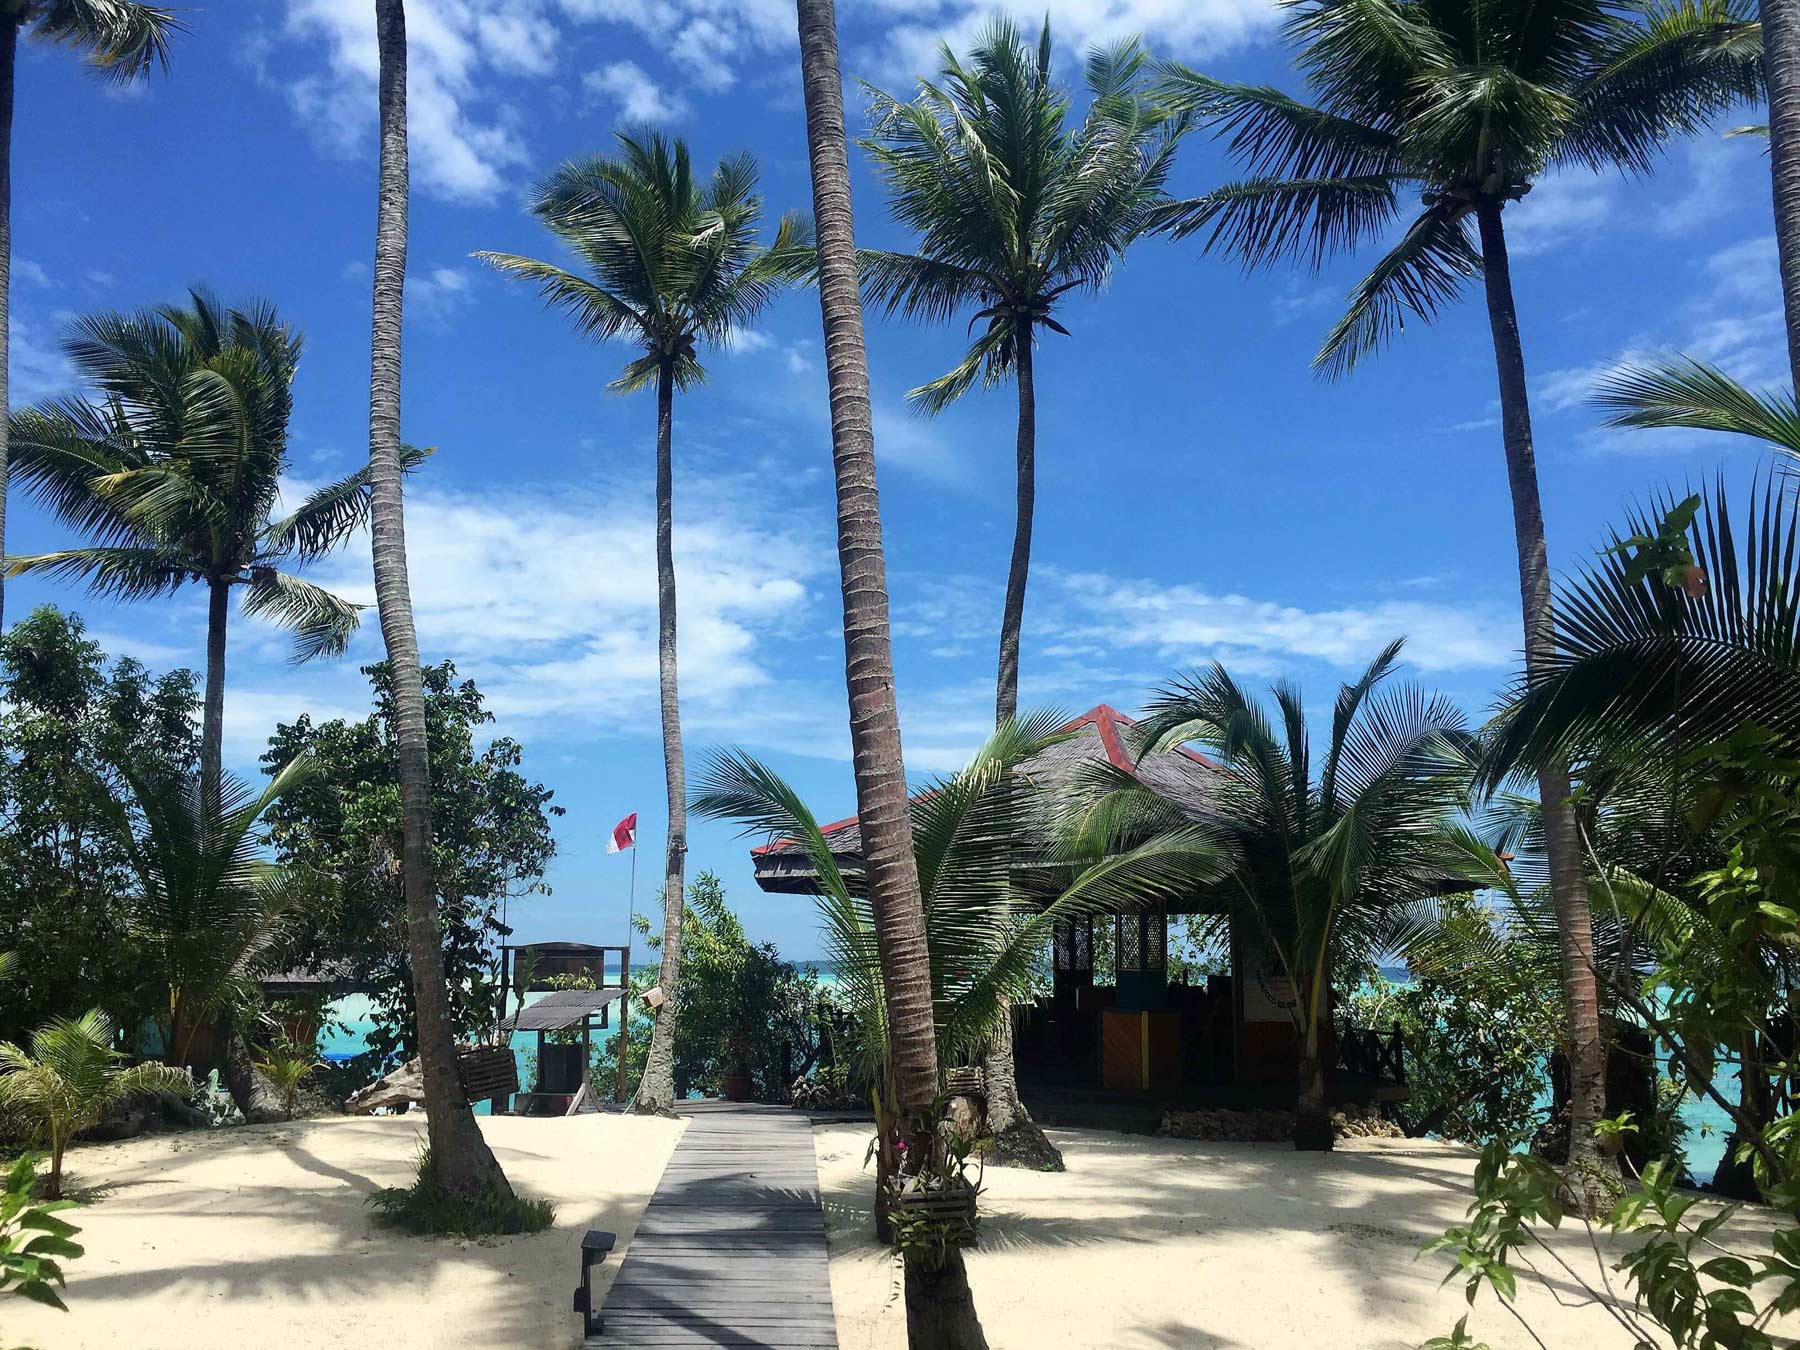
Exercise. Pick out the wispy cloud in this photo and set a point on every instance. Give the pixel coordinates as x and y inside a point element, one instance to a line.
<point>638,97</point>
<point>464,143</point>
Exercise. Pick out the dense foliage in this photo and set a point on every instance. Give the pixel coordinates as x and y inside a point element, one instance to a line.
<point>70,724</point>
<point>491,843</point>
<point>34,1241</point>
<point>1477,1031</point>
<point>743,1010</point>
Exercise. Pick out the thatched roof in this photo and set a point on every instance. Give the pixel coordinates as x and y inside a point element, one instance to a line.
<point>1096,737</point>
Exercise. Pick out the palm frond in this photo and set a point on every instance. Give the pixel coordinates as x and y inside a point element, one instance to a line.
<point>320,621</point>
<point>123,40</point>
<point>1684,392</point>
<point>1421,274</point>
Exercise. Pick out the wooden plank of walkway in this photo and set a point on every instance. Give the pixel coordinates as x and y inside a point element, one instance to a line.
<point>731,1249</point>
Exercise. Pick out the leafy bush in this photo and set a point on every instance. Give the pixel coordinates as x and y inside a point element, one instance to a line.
<point>68,1080</point>
<point>1477,1032</point>
<point>287,1068</point>
<point>33,1241</point>
<point>426,1208</point>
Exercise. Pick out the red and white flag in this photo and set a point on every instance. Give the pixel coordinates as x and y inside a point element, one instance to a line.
<point>624,835</point>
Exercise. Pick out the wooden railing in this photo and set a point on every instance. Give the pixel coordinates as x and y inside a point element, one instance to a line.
<point>1375,1054</point>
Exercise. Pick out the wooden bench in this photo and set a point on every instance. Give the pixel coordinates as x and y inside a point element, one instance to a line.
<point>594,1248</point>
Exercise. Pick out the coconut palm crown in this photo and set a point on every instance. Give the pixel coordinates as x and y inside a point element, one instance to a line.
<point>1014,209</point>
<point>1330,862</point>
<point>674,261</point>
<point>1452,105</point>
<point>122,40</point>
<point>173,468</point>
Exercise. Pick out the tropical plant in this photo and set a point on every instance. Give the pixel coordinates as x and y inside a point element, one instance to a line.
<point>999,867</point>
<point>68,716</point>
<point>69,1078</point>
<point>429,1207</point>
<point>1466,107</point>
<point>176,474</point>
<point>462,1163</point>
<point>123,42</point>
<point>1017,213</point>
<point>940,1310</point>
<point>288,1067</point>
<point>491,841</point>
<point>33,1241</point>
<point>203,907</point>
<point>1683,392</point>
<point>1327,867</point>
<point>675,263</point>
<point>1781,75</point>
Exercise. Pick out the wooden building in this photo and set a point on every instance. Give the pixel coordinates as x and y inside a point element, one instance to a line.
<point>1143,1038</point>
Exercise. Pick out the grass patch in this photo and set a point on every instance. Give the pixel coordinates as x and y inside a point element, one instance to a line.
<point>427,1208</point>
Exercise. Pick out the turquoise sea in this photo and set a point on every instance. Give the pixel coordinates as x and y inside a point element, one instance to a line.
<point>1708,1125</point>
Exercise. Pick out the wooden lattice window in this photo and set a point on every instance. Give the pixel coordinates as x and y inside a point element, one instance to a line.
<point>1156,938</point>
<point>1131,942</point>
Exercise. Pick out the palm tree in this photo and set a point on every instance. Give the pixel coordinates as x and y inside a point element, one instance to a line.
<point>462,1163</point>
<point>123,42</point>
<point>674,264</point>
<point>1466,107</point>
<point>940,1311</point>
<point>1781,76</point>
<point>1015,212</point>
<point>999,866</point>
<point>1327,866</point>
<point>203,905</point>
<point>69,1078</point>
<point>175,473</point>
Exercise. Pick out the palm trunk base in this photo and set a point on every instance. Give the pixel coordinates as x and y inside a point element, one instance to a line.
<point>940,1306</point>
<point>1312,1111</point>
<point>1024,1144</point>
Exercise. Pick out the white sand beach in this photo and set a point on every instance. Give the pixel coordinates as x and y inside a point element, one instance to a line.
<point>1168,1244</point>
<point>257,1238</point>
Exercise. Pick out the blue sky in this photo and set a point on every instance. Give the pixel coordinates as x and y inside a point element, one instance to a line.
<point>1200,495</point>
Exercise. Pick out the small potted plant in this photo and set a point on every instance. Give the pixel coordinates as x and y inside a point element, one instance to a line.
<point>738,1086</point>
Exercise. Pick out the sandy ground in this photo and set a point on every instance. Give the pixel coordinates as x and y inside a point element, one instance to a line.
<point>1164,1244</point>
<point>258,1239</point>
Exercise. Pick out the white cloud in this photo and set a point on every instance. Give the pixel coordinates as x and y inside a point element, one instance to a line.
<point>712,42</point>
<point>743,341</point>
<point>1102,615</point>
<point>1561,207</point>
<point>24,269</point>
<point>547,596</point>
<point>462,148</point>
<point>436,294</point>
<point>38,367</point>
<point>639,98</point>
<point>1749,270</point>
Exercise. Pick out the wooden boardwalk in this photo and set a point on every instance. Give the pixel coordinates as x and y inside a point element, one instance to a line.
<point>731,1249</point>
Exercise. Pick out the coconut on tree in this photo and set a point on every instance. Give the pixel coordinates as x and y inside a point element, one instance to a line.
<point>123,42</point>
<point>674,263</point>
<point>1018,211</point>
<point>173,469</point>
<point>1463,109</point>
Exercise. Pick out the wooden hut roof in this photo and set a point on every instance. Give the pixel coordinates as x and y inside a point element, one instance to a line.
<point>1181,776</point>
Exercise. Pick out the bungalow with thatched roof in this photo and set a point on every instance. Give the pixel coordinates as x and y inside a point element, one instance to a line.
<point>1141,1039</point>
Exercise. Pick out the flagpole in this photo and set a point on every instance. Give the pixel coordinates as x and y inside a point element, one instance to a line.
<point>625,975</point>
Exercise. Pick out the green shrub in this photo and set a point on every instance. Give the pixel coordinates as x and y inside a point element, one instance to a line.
<point>32,1239</point>
<point>427,1208</point>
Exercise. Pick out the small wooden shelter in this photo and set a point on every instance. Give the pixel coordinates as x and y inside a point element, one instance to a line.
<point>552,968</point>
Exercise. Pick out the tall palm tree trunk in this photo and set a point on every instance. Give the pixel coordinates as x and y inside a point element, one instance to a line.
<point>212,709</point>
<point>1012,617</point>
<point>656,1094</point>
<point>1312,1102</point>
<point>9,55</point>
<point>1568,884</point>
<point>1017,1137</point>
<point>940,1311</point>
<point>461,1159</point>
<point>1781,72</point>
